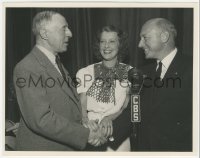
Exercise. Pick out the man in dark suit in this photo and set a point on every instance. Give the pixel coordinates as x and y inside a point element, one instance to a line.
<point>49,105</point>
<point>166,98</point>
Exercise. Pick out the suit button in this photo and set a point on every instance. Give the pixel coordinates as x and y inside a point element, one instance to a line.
<point>178,123</point>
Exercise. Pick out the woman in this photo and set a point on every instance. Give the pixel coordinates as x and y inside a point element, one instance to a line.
<point>104,88</point>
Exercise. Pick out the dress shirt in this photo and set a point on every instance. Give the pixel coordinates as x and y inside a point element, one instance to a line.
<point>49,55</point>
<point>166,62</point>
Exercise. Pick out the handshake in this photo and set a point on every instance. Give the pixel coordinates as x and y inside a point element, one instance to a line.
<point>99,132</point>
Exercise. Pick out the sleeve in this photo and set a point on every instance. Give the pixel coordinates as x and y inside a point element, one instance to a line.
<point>122,127</point>
<point>40,117</point>
<point>85,78</point>
<point>114,110</point>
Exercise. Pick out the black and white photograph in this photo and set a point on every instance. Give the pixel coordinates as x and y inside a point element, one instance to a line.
<point>97,77</point>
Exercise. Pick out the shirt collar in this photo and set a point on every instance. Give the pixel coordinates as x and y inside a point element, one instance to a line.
<point>168,59</point>
<point>49,54</point>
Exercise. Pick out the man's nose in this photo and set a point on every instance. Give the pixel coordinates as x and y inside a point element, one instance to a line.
<point>140,44</point>
<point>68,33</point>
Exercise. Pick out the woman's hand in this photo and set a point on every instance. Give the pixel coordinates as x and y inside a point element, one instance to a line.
<point>106,126</point>
<point>93,125</point>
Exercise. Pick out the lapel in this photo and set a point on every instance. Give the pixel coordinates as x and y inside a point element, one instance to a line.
<point>152,90</point>
<point>69,79</point>
<point>148,92</point>
<point>53,72</point>
<point>176,67</point>
<point>174,70</point>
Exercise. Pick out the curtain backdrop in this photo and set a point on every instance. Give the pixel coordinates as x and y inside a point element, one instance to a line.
<point>84,22</point>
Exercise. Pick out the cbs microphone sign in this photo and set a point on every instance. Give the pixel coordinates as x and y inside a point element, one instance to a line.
<point>135,108</point>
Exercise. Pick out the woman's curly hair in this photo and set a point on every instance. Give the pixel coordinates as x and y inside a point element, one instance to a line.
<point>123,42</point>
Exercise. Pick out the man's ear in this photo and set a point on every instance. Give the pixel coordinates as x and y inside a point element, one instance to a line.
<point>164,36</point>
<point>43,34</point>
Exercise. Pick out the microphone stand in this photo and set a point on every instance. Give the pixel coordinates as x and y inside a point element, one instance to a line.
<point>136,77</point>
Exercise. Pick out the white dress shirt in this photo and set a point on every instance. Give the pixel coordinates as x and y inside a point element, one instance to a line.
<point>49,55</point>
<point>166,62</point>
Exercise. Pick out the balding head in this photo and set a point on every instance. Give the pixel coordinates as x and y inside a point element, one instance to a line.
<point>162,25</point>
<point>157,38</point>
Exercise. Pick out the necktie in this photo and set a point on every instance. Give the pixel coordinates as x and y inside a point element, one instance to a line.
<point>60,67</point>
<point>157,82</point>
<point>58,62</point>
<point>159,70</point>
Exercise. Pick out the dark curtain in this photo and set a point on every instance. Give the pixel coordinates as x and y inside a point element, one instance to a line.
<point>84,22</point>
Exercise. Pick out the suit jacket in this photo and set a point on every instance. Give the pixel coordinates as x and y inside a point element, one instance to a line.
<point>122,127</point>
<point>50,109</point>
<point>166,108</point>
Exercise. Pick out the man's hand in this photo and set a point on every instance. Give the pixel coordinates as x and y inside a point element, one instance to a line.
<point>106,127</point>
<point>11,126</point>
<point>96,137</point>
<point>93,124</point>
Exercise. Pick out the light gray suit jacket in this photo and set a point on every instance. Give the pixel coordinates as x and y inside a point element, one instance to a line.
<point>50,110</point>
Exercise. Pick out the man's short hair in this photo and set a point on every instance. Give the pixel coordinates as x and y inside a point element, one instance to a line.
<point>40,20</point>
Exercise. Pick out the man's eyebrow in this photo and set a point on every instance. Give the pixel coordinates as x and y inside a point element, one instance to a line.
<point>144,35</point>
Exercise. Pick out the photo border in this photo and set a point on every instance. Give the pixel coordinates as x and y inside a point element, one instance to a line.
<point>193,5</point>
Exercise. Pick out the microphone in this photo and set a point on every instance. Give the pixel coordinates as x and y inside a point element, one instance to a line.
<point>136,78</point>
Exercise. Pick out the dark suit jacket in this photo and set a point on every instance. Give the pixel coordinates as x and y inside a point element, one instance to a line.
<point>166,112</point>
<point>122,127</point>
<point>50,109</point>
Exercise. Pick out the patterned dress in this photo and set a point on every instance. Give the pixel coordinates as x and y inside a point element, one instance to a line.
<point>105,88</point>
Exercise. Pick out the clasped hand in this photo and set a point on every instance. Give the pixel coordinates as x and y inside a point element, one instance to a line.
<point>11,126</point>
<point>99,132</point>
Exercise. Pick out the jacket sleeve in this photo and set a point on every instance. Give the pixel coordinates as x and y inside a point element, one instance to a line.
<point>122,127</point>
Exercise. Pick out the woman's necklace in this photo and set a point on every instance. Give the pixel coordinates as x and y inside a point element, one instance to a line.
<point>109,73</point>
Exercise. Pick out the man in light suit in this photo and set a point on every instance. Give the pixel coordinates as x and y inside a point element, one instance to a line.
<point>166,98</point>
<point>49,105</point>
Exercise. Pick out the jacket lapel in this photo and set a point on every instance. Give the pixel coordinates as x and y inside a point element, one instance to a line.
<point>148,92</point>
<point>71,83</point>
<point>175,68</point>
<point>173,71</point>
<point>53,72</point>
